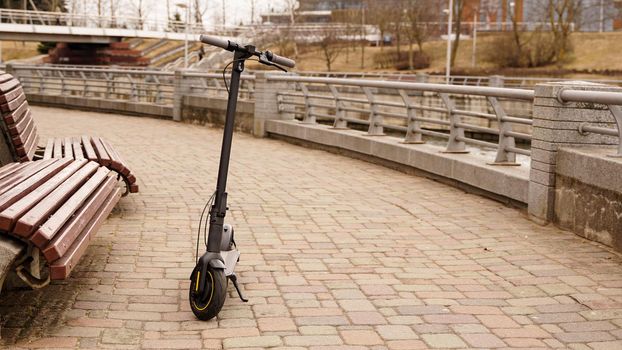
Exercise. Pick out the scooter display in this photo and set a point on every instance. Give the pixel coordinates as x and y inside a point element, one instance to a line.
<point>213,270</point>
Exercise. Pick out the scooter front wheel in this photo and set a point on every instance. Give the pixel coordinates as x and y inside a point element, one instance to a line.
<point>216,290</point>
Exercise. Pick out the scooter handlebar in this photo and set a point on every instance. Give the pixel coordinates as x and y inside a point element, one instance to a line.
<point>215,41</point>
<point>281,61</point>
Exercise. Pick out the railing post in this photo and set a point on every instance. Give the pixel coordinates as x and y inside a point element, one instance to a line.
<point>178,95</point>
<point>85,86</point>
<point>375,119</point>
<point>133,88</point>
<point>158,94</point>
<point>456,133</point>
<point>617,115</point>
<point>421,77</point>
<point>496,81</point>
<point>41,86</point>
<point>109,85</point>
<point>266,102</point>
<point>309,117</point>
<point>63,86</point>
<point>340,113</point>
<point>556,124</point>
<point>413,134</point>
<point>504,157</point>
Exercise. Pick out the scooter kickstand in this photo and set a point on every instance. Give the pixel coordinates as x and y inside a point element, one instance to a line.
<point>234,280</point>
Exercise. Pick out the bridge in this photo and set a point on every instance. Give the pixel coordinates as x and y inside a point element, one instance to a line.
<point>396,237</point>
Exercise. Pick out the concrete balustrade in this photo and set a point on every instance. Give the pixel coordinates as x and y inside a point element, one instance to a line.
<point>560,140</point>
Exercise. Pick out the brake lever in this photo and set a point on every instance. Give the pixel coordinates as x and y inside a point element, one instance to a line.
<point>264,60</point>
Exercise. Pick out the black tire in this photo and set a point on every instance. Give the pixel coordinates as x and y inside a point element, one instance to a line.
<point>217,290</point>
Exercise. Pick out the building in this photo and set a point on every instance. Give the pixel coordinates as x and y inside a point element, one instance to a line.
<point>313,11</point>
<point>592,16</point>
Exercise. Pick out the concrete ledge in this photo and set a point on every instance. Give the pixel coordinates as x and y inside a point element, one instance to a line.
<point>589,202</point>
<point>470,169</point>
<point>102,105</point>
<point>579,163</point>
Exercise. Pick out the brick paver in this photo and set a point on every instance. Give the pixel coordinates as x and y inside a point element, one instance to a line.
<point>336,254</point>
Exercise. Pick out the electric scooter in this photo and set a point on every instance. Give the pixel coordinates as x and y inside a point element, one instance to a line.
<point>208,281</point>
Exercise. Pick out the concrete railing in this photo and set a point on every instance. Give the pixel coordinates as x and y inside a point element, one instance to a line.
<point>564,137</point>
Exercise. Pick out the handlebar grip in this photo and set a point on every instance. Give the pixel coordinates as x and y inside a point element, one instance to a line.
<point>281,61</point>
<point>215,41</point>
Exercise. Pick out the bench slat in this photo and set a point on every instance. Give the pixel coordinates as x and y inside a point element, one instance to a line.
<point>58,148</point>
<point>8,84</point>
<point>61,268</point>
<point>49,148</point>
<point>16,115</point>
<point>4,76</point>
<point>46,232</point>
<point>9,215</point>
<point>12,105</point>
<point>42,210</point>
<point>19,127</point>
<point>88,148</point>
<point>115,160</point>
<point>67,148</point>
<point>77,149</point>
<point>22,174</point>
<point>10,195</point>
<point>21,138</point>
<point>62,241</point>
<point>10,169</point>
<point>102,155</point>
<point>11,95</point>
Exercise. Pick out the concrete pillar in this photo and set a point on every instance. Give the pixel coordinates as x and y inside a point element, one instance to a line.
<point>421,77</point>
<point>556,124</point>
<point>496,81</point>
<point>178,95</point>
<point>10,69</point>
<point>266,102</point>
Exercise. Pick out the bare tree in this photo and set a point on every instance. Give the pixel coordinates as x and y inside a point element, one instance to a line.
<point>380,14</point>
<point>330,45</point>
<point>199,12</point>
<point>253,4</point>
<point>292,7</point>
<point>458,10</point>
<point>418,16</point>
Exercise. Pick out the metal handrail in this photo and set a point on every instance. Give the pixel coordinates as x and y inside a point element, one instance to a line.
<point>613,101</point>
<point>518,94</point>
<point>377,110</point>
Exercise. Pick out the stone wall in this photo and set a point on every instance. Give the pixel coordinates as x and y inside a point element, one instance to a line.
<point>589,202</point>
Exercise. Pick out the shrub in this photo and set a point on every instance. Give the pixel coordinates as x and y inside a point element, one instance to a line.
<point>537,49</point>
<point>390,59</point>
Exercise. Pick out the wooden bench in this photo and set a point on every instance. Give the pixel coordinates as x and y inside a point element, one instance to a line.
<point>53,206</point>
<point>22,137</point>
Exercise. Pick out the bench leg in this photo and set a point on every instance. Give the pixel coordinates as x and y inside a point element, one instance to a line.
<point>29,269</point>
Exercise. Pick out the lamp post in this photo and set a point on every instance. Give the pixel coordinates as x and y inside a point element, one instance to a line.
<point>474,54</point>
<point>602,16</point>
<point>449,30</point>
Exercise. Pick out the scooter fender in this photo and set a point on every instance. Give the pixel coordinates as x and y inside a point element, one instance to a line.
<point>208,259</point>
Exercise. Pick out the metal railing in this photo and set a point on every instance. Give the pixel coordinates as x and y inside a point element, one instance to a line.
<point>146,86</point>
<point>134,85</point>
<point>67,19</point>
<point>213,84</point>
<point>486,117</point>
<point>413,110</point>
<point>612,100</point>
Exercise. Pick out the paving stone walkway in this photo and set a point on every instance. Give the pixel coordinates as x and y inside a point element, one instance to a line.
<point>336,254</point>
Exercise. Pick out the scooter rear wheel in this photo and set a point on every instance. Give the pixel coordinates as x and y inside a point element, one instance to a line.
<point>216,284</point>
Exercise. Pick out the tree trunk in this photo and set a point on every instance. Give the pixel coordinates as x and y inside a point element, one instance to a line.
<point>458,25</point>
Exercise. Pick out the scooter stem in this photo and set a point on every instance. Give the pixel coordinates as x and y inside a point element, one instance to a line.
<point>219,209</point>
